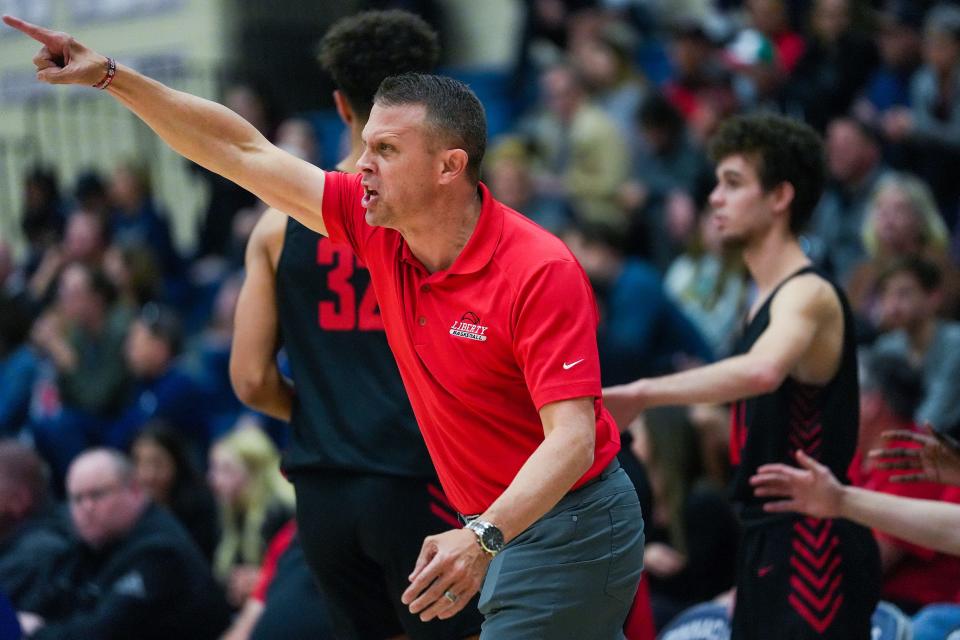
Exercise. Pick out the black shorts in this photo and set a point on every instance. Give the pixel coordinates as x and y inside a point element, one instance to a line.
<point>361,534</point>
<point>800,578</point>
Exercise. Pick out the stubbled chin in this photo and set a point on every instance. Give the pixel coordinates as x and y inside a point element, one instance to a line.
<point>371,218</point>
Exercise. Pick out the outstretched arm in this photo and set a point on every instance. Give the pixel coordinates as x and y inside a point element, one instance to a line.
<point>253,357</point>
<point>796,315</point>
<point>203,131</point>
<point>814,491</point>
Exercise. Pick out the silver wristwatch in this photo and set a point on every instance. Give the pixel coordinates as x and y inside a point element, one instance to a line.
<point>489,537</point>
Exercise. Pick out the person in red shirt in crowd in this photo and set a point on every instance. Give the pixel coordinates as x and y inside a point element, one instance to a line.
<point>493,325</point>
<point>913,575</point>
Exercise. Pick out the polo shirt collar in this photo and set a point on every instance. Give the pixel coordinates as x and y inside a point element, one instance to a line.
<point>483,241</point>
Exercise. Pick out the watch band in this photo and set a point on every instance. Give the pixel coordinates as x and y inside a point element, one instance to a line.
<point>489,537</point>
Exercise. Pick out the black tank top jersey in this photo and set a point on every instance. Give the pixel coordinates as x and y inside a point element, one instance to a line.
<point>821,420</point>
<point>351,412</point>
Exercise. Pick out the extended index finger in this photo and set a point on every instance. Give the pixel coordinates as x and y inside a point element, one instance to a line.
<point>38,33</point>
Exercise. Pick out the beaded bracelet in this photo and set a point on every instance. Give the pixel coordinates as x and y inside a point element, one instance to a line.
<point>108,78</point>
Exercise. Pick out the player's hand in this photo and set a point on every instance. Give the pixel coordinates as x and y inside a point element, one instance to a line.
<point>624,402</point>
<point>61,60</point>
<point>449,571</point>
<point>812,490</point>
<point>937,459</point>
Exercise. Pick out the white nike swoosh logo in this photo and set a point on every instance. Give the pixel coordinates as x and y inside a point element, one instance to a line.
<point>572,364</point>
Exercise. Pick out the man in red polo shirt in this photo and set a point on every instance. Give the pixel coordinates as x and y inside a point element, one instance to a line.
<point>492,323</point>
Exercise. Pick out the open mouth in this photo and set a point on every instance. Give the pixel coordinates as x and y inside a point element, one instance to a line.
<point>369,196</point>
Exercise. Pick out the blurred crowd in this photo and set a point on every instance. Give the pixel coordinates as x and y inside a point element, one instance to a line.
<point>117,414</point>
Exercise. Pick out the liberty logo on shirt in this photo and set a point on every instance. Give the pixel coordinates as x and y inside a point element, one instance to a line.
<point>468,326</point>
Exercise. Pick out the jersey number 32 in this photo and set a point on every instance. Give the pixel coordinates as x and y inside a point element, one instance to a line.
<point>345,314</point>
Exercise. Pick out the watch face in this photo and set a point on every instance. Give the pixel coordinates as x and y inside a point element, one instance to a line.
<point>492,538</point>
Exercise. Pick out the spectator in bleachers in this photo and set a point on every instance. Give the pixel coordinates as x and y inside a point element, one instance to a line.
<point>772,19</point>
<point>29,528</point>
<point>898,43</point>
<point>854,165</point>
<point>85,239</point>
<point>642,332</point>
<point>581,153</point>
<point>605,62</point>
<point>834,67</point>
<point>133,571</point>
<point>709,282</point>
<point>164,469</point>
<point>700,86</point>
<point>930,127</point>
<point>136,219</point>
<point>757,79</point>
<point>910,292</point>
<point>43,216</point>
<point>83,336</point>
<point>285,602</point>
<point>669,174</point>
<point>692,536</point>
<point>902,220</point>
<point>254,502</point>
<point>508,172</point>
<point>162,389</point>
<point>134,273</point>
<point>90,194</point>
<point>890,392</point>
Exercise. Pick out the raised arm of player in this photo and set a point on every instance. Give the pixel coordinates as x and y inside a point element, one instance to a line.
<point>253,358</point>
<point>203,131</point>
<point>814,491</point>
<point>799,313</point>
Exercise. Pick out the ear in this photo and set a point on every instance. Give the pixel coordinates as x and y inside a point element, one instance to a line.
<point>344,110</point>
<point>454,165</point>
<point>782,195</point>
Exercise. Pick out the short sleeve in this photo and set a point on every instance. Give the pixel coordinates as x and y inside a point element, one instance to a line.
<point>343,215</point>
<point>555,334</point>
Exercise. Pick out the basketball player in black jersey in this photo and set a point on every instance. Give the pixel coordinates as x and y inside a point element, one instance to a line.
<point>792,385</point>
<point>366,489</point>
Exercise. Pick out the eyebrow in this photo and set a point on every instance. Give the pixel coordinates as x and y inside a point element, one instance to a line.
<point>731,173</point>
<point>380,137</point>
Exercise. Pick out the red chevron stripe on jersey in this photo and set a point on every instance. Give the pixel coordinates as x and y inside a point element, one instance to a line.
<point>805,425</point>
<point>816,579</point>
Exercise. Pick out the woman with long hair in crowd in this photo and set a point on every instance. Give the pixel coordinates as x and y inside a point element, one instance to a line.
<point>902,221</point>
<point>254,501</point>
<point>165,470</point>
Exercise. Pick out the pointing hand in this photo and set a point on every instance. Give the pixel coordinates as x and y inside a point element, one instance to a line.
<point>61,60</point>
